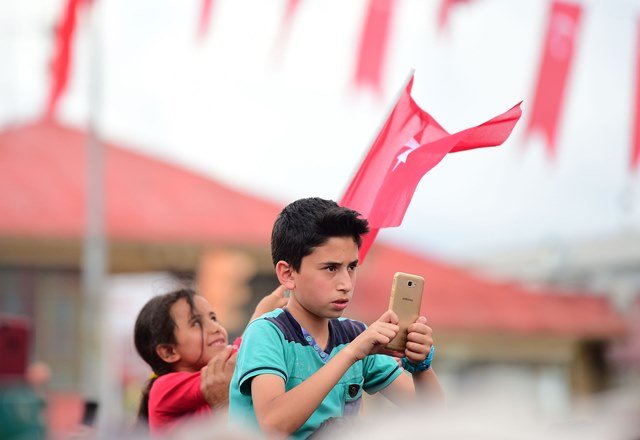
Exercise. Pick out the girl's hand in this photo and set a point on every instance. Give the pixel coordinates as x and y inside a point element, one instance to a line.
<point>375,337</point>
<point>270,302</point>
<point>419,340</point>
<point>216,376</point>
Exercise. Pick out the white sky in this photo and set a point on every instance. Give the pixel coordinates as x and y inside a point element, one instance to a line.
<point>293,126</point>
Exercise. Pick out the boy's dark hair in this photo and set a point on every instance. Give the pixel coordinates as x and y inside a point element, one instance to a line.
<point>308,223</point>
<point>155,326</point>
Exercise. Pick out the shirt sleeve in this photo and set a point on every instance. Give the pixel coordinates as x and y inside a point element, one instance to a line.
<point>379,371</point>
<point>177,393</point>
<point>261,352</point>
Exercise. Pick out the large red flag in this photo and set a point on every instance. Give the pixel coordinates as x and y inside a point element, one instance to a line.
<point>559,48</point>
<point>373,44</point>
<point>408,146</point>
<point>635,147</point>
<point>61,61</point>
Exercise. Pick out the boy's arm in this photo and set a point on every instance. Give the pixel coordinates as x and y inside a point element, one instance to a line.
<point>285,412</point>
<point>422,384</point>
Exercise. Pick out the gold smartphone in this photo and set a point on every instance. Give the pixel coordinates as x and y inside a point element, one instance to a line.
<point>406,297</point>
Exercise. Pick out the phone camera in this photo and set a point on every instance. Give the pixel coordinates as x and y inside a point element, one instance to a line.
<point>410,283</point>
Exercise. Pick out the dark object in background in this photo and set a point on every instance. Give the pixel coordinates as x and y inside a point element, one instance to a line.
<point>21,415</point>
<point>14,347</point>
<point>90,410</point>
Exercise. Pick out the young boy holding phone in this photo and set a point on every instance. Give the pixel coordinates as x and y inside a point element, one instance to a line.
<point>302,366</point>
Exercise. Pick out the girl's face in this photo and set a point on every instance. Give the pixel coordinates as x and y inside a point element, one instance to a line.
<point>199,335</point>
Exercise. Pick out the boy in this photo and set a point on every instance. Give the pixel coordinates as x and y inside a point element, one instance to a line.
<point>300,367</point>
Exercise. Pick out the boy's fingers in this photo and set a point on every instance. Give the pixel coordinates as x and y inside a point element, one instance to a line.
<point>417,349</point>
<point>421,319</point>
<point>389,316</point>
<point>418,327</point>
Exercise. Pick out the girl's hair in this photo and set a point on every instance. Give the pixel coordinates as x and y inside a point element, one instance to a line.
<point>155,326</point>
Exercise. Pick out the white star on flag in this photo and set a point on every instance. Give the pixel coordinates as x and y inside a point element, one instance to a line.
<point>411,144</point>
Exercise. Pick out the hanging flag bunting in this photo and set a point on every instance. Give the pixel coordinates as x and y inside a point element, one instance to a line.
<point>559,47</point>
<point>409,145</point>
<point>373,44</point>
<point>635,147</point>
<point>445,10</point>
<point>61,61</point>
<point>205,18</point>
<point>285,27</point>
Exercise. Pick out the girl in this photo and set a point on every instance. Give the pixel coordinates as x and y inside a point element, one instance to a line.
<point>179,336</point>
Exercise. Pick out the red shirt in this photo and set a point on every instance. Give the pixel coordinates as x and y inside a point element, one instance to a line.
<point>174,396</point>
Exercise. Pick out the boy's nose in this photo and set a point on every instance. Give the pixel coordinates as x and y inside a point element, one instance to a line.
<point>344,282</point>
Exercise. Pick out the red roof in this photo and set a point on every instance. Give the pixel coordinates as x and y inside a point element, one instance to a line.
<point>457,300</point>
<point>42,176</point>
<point>42,173</point>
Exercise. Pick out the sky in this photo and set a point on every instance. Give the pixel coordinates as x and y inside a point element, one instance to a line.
<point>285,121</point>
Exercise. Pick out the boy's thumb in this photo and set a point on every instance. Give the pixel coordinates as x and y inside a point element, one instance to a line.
<point>389,316</point>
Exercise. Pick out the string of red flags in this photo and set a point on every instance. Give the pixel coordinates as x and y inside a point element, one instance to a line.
<point>557,57</point>
<point>410,144</point>
<point>374,40</point>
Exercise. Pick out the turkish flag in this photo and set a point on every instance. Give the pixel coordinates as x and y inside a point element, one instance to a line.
<point>559,47</point>
<point>408,146</point>
<point>61,61</point>
<point>373,44</point>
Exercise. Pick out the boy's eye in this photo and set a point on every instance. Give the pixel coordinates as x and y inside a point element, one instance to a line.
<point>330,268</point>
<point>353,267</point>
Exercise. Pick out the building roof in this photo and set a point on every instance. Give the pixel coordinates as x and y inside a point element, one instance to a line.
<point>43,173</point>
<point>457,300</point>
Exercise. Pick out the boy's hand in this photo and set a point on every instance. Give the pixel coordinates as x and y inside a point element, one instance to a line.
<point>419,340</point>
<point>270,302</point>
<point>216,376</point>
<point>375,337</point>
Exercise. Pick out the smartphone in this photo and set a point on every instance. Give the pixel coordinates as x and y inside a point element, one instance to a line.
<point>406,297</point>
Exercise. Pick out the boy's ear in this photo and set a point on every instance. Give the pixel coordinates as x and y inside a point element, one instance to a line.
<point>284,271</point>
<point>167,353</point>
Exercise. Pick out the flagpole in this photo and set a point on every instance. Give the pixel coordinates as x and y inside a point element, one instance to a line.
<point>380,127</point>
<point>95,260</point>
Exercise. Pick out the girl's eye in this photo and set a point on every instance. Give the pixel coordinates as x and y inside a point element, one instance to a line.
<point>197,323</point>
<point>214,318</point>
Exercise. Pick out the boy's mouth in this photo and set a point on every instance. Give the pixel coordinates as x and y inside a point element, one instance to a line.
<point>340,303</point>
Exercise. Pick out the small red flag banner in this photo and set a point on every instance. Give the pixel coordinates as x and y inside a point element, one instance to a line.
<point>373,44</point>
<point>635,147</point>
<point>410,144</point>
<point>61,61</point>
<point>559,48</point>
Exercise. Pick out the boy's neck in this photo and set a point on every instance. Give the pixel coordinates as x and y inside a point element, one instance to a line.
<point>316,326</point>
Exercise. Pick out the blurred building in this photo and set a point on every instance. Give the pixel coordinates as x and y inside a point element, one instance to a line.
<point>160,217</point>
<point>600,266</point>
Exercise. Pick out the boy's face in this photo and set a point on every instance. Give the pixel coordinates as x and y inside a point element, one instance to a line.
<point>326,279</point>
<point>198,334</point>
